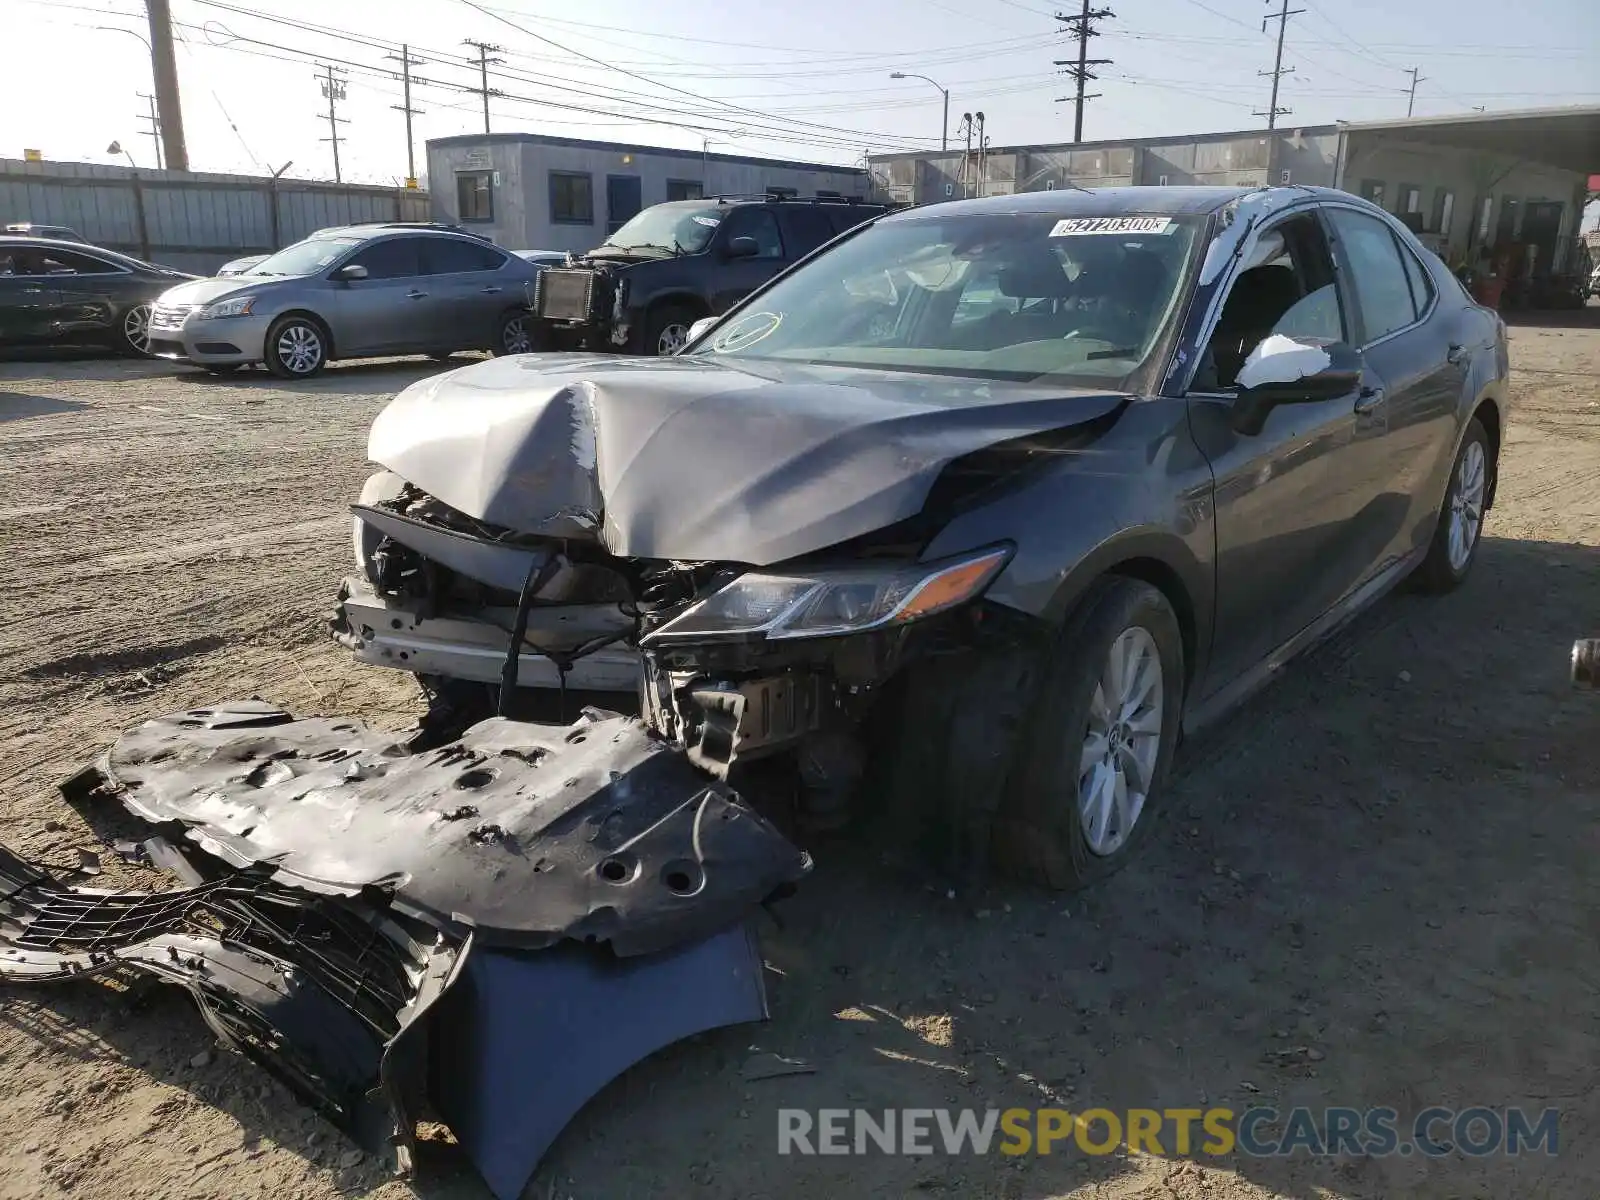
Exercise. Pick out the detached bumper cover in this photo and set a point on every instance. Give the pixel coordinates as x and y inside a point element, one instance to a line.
<point>491,931</point>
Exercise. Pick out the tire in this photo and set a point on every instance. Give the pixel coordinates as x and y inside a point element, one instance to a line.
<point>514,334</point>
<point>1450,560</point>
<point>133,331</point>
<point>1062,823</point>
<point>666,329</point>
<point>296,347</point>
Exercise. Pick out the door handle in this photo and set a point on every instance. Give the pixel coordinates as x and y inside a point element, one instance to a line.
<point>490,291</point>
<point>1368,399</point>
<point>31,291</point>
<point>1456,354</point>
<point>415,295</point>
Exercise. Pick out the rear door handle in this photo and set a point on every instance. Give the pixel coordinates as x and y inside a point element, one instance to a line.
<point>415,295</point>
<point>490,291</point>
<point>1369,399</point>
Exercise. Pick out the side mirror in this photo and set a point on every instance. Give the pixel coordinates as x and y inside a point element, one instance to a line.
<point>700,326</point>
<point>350,271</point>
<point>743,247</point>
<point>1292,370</point>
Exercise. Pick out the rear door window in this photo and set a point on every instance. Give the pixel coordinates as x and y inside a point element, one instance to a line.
<point>450,256</point>
<point>808,229</point>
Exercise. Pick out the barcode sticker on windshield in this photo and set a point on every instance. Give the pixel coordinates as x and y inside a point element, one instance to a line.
<point>711,221</point>
<point>1078,226</point>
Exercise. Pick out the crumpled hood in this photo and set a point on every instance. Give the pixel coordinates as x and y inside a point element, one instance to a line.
<point>696,459</point>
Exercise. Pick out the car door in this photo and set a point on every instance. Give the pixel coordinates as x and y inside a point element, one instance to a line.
<point>1419,357</point>
<point>1299,502</point>
<point>25,298</point>
<point>384,313</point>
<point>467,292</point>
<point>84,293</point>
<point>736,278</point>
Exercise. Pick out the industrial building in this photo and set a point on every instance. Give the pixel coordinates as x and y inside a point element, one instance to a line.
<point>530,192</point>
<point>1474,186</point>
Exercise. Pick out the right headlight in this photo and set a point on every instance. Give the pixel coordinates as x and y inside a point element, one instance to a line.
<point>832,602</point>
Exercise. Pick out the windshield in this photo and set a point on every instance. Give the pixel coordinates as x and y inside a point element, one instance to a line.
<point>304,258</point>
<point>669,228</point>
<point>995,296</point>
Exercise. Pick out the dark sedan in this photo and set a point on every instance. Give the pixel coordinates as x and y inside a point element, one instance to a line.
<point>55,293</point>
<point>1000,496</point>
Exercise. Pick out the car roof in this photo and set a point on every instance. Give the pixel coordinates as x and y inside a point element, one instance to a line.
<point>1119,201</point>
<point>372,233</point>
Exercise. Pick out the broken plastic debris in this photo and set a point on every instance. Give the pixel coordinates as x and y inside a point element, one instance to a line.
<point>774,1066</point>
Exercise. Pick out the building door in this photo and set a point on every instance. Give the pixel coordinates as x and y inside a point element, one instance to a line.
<point>623,200</point>
<point>1541,225</point>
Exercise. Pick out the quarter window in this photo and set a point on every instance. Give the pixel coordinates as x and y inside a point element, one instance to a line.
<point>571,198</point>
<point>475,195</point>
<point>1421,284</point>
<point>1378,272</point>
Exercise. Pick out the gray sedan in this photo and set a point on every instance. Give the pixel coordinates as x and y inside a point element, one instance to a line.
<point>350,293</point>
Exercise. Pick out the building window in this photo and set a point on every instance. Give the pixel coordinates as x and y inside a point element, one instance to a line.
<point>1485,209</point>
<point>571,198</point>
<point>1372,189</point>
<point>685,189</point>
<point>1410,199</point>
<point>1444,211</point>
<point>474,196</point>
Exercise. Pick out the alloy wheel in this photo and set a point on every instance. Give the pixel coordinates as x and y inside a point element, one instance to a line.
<point>1466,504</point>
<point>673,338</point>
<point>300,348</point>
<point>515,337</point>
<point>1122,743</point>
<point>136,328</point>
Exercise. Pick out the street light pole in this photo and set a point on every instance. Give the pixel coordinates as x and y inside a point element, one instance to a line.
<point>944,130</point>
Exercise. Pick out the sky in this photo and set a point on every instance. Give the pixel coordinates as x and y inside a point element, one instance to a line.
<point>807,80</point>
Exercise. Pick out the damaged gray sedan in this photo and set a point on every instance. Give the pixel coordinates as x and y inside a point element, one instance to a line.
<point>961,522</point>
<point>978,508</point>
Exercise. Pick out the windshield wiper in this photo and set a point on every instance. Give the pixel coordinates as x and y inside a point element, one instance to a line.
<point>1119,352</point>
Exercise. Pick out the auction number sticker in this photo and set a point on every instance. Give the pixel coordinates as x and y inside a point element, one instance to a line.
<point>1079,226</point>
<point>713,222</point>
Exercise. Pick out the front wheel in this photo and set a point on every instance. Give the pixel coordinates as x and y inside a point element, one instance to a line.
<point>297,347</point>
<point>1095,758</point>
<point>1455,539</point>
<point>667,330</point>
<point>133,334</point>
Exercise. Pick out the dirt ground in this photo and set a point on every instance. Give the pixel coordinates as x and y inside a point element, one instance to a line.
<point>1376,886</point>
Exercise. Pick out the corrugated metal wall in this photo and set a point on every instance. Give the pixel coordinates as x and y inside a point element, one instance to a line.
<point>186,219</point>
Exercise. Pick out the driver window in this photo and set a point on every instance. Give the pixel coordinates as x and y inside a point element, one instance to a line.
<point>760,224</point>
<point>1288,289</point>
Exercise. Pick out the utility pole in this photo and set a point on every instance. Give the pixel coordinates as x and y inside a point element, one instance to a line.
<point>1411,101</point>
<point>406,63</point>
<point>485,49</point>
<point>333,91</point>
<point>155,124</point>
<point>966,157</point>
<point>1278,69</point>
<point>1081,24</point>
<point>983,154</point>
<point>164,64</point>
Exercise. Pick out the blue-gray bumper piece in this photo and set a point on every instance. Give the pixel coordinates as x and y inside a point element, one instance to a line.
<point>529,1039</point>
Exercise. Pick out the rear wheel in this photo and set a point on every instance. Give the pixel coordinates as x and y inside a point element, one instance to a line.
<point>1094,763</point>
<point>666,331</point>
<point>514,334</point>
<point>133,334</point>
<point>297,347</point>
<point>1455,539</point>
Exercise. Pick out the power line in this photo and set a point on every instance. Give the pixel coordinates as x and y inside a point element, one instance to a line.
<point>333,90</point>
<point>484,50</point>
<point>1278,69</point>
<point>1082,27</point>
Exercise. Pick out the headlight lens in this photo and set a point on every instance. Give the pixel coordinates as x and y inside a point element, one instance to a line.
<point>829,603</point>
<point>237,307</point>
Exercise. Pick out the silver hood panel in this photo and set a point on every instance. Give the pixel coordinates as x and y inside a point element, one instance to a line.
<point>696,459</point>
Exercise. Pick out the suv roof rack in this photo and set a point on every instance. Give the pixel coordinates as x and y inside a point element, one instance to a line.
<point>789,196</point>
<point>436,226</point>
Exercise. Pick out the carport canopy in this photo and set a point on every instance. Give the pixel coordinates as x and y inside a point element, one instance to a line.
<point>1565,138</point>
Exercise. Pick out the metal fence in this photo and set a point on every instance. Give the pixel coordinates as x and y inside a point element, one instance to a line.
<point>186,219</point>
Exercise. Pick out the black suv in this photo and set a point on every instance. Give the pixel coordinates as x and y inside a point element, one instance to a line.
<point>677,262</point>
